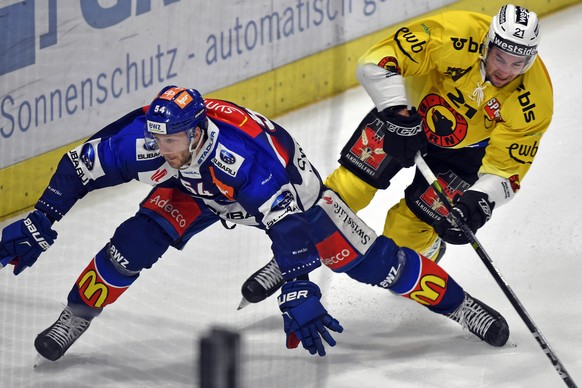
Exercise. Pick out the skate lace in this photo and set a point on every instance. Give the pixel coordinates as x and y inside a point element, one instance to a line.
<point>473,317</point>
<point>269,275</point>
<point>68,328</point>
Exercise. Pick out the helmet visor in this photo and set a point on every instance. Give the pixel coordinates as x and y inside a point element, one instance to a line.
<point>170,144</point>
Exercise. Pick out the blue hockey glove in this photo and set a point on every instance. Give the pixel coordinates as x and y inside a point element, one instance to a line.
<point>23,241</point>
<point>473,208</point>
<point>305,319</point>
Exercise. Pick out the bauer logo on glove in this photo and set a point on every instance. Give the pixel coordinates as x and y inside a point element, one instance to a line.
<point>23,241</point>
<point>305,319</point>
<point>42,243</point>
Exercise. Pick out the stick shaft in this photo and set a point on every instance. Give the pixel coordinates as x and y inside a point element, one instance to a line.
<point>486,259</point>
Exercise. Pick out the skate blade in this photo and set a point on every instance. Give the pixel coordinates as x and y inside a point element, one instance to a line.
<point>243,303</point>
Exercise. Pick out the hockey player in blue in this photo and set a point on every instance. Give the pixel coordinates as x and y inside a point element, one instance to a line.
<point>210,160</point>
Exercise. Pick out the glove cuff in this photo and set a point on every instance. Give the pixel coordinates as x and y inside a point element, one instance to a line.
<point>295,293</point>
<point>390,115</point>
<point>301,285</point>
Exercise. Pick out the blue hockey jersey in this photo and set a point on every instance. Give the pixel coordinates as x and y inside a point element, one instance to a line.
<point>249,170</point>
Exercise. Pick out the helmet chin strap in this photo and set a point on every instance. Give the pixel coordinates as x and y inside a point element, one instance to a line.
<point>194,147</point>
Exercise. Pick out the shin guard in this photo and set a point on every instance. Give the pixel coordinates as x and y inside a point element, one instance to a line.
<point>425,282</point>
<point>101,282</point>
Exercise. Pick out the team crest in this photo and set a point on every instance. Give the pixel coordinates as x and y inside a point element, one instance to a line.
<point>391,65</point>
<point>442,124</point>
<point>368,148</point>
<point>515,183</point>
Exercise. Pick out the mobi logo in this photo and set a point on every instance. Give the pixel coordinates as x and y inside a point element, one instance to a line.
<point>23,21</point>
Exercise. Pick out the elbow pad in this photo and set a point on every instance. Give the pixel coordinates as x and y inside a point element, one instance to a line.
<point>385,90</point>
<point>500,190</point>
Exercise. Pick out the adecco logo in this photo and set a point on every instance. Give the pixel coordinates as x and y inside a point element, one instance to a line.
<point>18,27</point>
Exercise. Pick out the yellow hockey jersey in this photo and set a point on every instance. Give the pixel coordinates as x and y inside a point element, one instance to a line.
<point>440,60</point>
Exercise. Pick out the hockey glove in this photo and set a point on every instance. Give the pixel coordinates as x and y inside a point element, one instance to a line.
<point>23,241</point>
<point>473,209</point>
<point>305,319</point>
<point>404,135</point>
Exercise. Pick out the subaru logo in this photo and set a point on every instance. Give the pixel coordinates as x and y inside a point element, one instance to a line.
<point>282,201</point>
<point>88,156</point>
<point>227,157</point>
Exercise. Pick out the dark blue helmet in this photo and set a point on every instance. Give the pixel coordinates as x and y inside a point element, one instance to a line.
<point>176,110</point>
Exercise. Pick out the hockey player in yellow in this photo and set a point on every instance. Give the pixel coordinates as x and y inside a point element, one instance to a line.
<point>483,101</point>
<point>467,90</point>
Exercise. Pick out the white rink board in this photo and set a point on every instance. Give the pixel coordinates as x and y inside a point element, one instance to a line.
<point>148,337</point>
<point>69,68</point>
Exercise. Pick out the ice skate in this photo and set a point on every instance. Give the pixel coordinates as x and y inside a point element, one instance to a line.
<point>481,320</point>
<point>261,284</point>
<point>53,342</point>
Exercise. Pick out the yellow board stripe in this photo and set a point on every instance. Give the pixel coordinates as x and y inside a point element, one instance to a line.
<point>289,87</point>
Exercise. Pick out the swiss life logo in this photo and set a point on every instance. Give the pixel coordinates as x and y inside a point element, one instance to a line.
<point>18,27</point>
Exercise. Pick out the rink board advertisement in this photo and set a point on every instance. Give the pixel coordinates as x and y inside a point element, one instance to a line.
<point>69,68</point>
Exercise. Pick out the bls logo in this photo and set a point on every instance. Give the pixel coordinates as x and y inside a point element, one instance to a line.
<point>18,27</point>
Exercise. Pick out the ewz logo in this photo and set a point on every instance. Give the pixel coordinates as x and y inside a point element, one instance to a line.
<point>18,27</point>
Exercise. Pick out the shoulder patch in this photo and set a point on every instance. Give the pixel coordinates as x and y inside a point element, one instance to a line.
<point>232,114</point>
<point>227,161</point>
<point>141,151</point>
<point>86,161</point>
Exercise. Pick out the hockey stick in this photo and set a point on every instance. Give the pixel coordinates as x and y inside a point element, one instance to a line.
<point>434,183</point>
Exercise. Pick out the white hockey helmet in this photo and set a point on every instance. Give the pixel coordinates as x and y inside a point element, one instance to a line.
<point>516,31</point>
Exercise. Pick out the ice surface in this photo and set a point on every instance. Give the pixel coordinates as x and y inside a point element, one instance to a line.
<point>148,338</point>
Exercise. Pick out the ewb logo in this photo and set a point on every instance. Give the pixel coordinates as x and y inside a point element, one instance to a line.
<point>18,27</point>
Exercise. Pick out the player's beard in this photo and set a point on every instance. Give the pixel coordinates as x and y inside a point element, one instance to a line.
<point>180,161</point>
<point>499,80</point>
